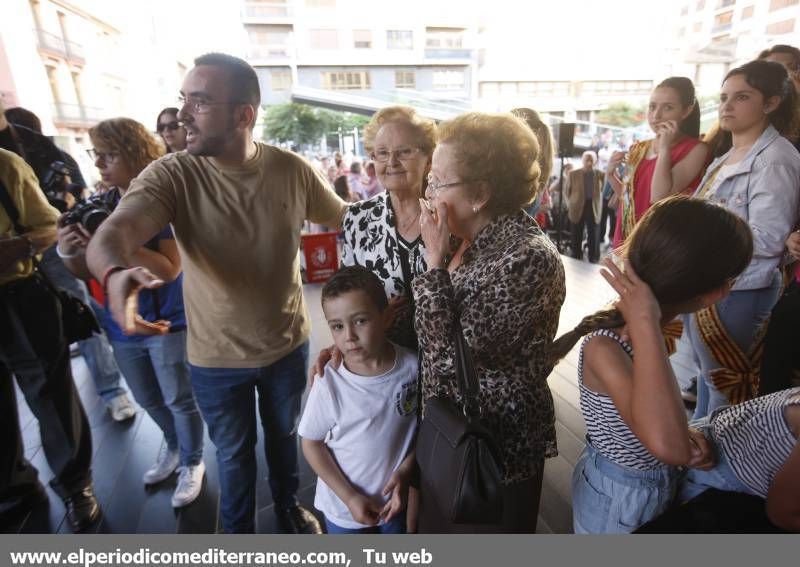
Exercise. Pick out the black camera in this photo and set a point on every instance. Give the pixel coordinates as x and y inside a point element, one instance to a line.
<point>54,184</point>
<point>90,213</point>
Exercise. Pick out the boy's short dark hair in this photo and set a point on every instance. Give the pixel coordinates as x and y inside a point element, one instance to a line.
<point>356,278</point>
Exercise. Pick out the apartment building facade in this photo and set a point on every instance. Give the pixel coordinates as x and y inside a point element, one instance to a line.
<point>712,36</point>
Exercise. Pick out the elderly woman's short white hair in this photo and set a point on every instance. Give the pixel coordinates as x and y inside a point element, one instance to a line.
<point>589,153</point>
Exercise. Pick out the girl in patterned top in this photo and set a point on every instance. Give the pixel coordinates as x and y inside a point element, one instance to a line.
<point>683,255</point>
<point>757,453</point>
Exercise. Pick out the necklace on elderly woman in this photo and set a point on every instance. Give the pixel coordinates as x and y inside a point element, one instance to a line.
<point>403,227</point>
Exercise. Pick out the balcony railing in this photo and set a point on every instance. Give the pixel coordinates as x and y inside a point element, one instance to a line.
<point>51,42</point>
<point>66,113</point>
<point>264,10</point>
<point>75,52</point>
<point>448,53</point>
<point>717,28</point>
<point>277,51</point>
<point>56,45</point>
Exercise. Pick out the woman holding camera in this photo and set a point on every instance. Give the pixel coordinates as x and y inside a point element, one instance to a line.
<point>154,359</point>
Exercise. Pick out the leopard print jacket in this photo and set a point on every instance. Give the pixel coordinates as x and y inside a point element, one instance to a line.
<point>508,292</point>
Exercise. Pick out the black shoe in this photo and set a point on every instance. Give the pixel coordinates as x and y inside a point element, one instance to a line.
<point>24,503</point>
<point>82,509</point>
<point>298,520</point>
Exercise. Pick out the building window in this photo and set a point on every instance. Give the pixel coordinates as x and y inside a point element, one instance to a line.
<point>725,3</point>
<point>723,19</point>
<point>747,12</point>
<point>324,39</point>
<point>697,27</point>
<point>404,80</point>
<point>508,89</point>
<point>362,39</point>
<point>444,38</point>
<point>700,5</point>
<point>346,80</point>
<point>615,87</point>
<point>399,39</point>
<point>320,3</point>
<point>280,79</point>
<point>268,41</point>
<point>778,4</point>
<point>448,80</point>
<point>681,32</point>
<point>684,10</point>
<point>489,89</point>
<point>778,28</point>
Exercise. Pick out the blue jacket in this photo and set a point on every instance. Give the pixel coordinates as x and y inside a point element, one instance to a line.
<point>764,190</point>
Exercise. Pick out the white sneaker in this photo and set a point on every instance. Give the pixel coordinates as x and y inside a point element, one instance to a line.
<point>190,482</point>
<point>121,408</point>
<point>165,465</point>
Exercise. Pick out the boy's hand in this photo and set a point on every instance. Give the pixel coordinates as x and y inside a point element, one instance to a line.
<point>363,510</point>
<point>398,488</point>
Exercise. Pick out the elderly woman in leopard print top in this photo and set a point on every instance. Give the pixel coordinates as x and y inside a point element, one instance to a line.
<point>491,265</point>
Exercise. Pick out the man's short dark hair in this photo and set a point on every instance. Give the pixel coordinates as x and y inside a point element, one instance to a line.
<point>356,278</point>
<point>243,78</point>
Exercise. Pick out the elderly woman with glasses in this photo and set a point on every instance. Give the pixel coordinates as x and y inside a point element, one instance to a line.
<point>383,232</point>
<point>490,266</point>
<point>170,129</point>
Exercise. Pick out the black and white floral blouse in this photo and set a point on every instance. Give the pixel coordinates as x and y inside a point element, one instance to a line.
<point>508,291</point>
<point>371,240</point>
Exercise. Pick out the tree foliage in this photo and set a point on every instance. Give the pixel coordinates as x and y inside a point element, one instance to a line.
<point>621,114</point>
<point>304,124</point>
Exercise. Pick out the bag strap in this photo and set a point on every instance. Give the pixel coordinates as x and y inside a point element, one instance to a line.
<point>13,213</point>
<point>11,209</point>
<point>466,376</point>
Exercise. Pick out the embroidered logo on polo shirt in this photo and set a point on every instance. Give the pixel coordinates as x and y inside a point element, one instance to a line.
<point>406,399</point>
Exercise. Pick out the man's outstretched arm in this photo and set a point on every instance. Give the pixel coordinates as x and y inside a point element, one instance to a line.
<point>110,257</point>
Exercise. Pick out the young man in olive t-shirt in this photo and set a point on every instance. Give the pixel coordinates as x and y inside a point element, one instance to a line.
<point>236,207</point>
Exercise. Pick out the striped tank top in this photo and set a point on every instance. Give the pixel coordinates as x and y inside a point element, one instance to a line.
<point>608,433</point>
<point>755,437</point>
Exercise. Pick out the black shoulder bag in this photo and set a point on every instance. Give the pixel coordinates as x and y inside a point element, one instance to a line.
<point>459,460</point>
<point>78,319</point>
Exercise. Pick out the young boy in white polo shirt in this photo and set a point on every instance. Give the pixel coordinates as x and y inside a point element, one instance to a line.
<point>359,422</point>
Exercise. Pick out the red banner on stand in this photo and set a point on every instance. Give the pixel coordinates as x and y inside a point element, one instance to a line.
<point>321,254</point>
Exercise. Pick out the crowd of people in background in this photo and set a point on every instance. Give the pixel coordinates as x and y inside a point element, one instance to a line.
<point>445,243</point>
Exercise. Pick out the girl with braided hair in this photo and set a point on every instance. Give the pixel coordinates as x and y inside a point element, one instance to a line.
<point>683,255</point>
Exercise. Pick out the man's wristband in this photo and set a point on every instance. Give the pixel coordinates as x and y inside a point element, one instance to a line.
<point>108,273</point>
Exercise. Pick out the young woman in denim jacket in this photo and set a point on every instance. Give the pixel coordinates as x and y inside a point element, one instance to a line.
<point>758,179</point>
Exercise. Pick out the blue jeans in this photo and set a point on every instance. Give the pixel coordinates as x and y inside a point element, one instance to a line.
<point>95,350</point>
<point>610,498</point>
<point>721,477</point>
<point>396,525</point>
<point>158,375</point>
<point>227,399</point>
<point>742,314</point>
